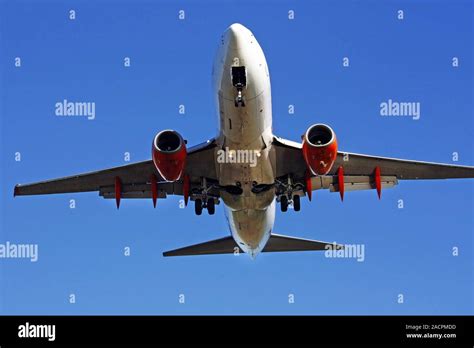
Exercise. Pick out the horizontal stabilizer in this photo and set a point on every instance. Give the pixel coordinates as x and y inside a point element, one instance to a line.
<point>217,246</point>
<point>276,243</point>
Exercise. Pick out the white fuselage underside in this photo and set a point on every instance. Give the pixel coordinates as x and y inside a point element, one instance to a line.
<point>247,130</point>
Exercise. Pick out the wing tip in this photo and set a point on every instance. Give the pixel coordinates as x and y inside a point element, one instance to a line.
<point>16,190</point>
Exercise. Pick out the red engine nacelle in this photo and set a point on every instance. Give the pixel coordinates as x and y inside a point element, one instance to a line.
<point>169,154</point>
<point>320,148</point>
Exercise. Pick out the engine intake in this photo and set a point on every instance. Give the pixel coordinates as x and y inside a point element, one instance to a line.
<point>169,154</point>
<point>320,148</point>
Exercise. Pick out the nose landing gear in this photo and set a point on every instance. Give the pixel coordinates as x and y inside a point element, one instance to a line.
<point>239,99</point>
<point>239,81</point>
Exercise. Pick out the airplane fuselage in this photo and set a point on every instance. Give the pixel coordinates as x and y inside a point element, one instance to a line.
<point>243,97</point>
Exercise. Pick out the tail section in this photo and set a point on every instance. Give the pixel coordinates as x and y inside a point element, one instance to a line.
<point>276,243</point>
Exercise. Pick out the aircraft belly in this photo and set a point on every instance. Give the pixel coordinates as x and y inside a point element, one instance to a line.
<point>243,126</point>
<point>251,228</point>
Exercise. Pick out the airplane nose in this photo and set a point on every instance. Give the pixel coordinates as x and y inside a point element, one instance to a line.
<point>235,35</point>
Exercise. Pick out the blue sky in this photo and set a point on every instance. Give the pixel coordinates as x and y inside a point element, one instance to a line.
<point>407,251</point>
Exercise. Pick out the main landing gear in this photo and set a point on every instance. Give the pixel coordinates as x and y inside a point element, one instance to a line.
<point>204,200</point>
<point>289,193</point>
<point>285,202</point>
<point>210,205</point>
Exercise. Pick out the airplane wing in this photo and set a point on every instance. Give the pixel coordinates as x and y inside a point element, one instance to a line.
<point>359,169</point>
<point>135,178</point>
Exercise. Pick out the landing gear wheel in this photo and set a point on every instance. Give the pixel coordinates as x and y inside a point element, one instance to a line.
<point>239,100</point>
<point>284,203</point>
<point>211,208</point>
<point>198,206</point>
<point>296,203</point>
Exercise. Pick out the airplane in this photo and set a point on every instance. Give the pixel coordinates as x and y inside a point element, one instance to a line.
<point>283,171</point>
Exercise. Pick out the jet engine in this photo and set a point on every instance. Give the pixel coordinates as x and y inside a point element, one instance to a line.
<point>169,154</point>
<point>319,148</point>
